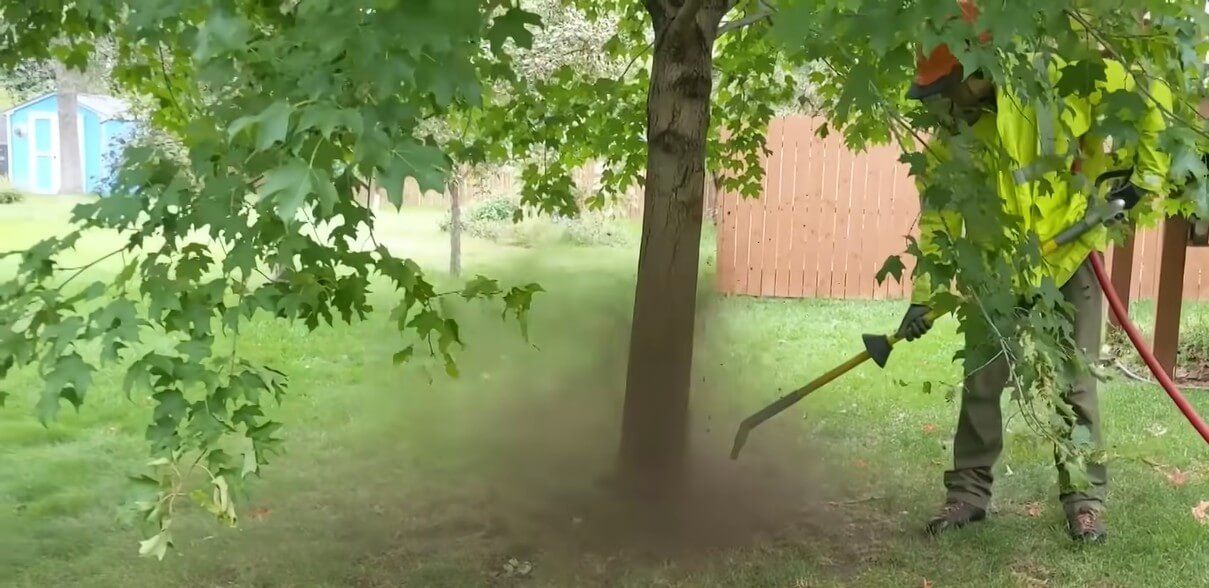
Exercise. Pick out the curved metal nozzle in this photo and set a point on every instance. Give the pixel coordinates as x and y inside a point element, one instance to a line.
<point>740,439</point>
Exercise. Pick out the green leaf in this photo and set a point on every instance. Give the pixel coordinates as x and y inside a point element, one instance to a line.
<point>326,118</point>
<point>518,301</point>
<point>250,464</point>
<point>326,191</point>
<point>426,322</point>
<point>1081,78</point>
<point>892,267</point>
<point>171,404</point>
<point>404,355</point>
<point>287,186</point>
<point>425,163</point>
<point>481,287</point>
<point>1187,163</point>
<point>274,124</point>
<point>513,25</point>
<point>221,33</point>
<point>123,278</point>
<point>156,546</point>
<point>69,379</point>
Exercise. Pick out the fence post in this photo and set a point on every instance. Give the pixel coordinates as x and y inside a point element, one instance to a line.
<point>1171,292</point>
<point>1122,274</point>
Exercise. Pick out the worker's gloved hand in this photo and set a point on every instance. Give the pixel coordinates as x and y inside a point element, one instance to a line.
<point>1128,193</point>
<point>916,323</point>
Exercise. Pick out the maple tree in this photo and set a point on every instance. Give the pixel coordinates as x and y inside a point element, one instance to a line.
<point>275,115</point>
<point>272,117</point>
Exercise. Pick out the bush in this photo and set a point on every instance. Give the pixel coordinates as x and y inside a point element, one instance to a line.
<point>1194,344</point>
<point>9,194</point>
<point>490,219</point>
<point>1192,356</point>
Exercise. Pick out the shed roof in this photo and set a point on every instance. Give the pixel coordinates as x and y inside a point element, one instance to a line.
<point>106,107</point>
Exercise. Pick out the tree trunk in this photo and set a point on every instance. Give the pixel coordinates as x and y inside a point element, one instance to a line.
<point>68,84</point>
<point>654,436</point>
<point>71,168</point>
<point>455,225</point>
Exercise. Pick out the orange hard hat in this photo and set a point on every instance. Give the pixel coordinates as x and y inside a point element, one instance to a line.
<point>940,69</point>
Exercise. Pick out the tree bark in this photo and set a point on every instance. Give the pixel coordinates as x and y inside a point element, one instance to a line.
<point>654,436</point>
<point>455,225</point>
<point>71,168</point>
<point>68,84</point>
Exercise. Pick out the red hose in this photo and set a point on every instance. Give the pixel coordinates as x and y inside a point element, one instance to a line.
<point>1118,310</point>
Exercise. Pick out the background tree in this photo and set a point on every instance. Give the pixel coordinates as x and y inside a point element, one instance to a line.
<point>68,85</point>
<point>279,117</point>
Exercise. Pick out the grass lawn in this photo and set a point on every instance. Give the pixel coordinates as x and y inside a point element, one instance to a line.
<point>392,480</point>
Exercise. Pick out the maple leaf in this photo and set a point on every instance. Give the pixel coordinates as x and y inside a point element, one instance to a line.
<point>927,583</point>
<point>1200,512</point>
<point>1032,509</point>
<point>929,429</point>
<point>1177,478</point>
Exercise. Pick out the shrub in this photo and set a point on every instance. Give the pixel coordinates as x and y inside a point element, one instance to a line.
<point>1192,356</point>
<point>493,220</point>
<point>9,194</point>
<point>490,219</point>
<point>495,209</point>
<point>1194,344</point>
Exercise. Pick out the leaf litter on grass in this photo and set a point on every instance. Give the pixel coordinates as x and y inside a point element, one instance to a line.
<point>1200,512</point>
<point>1177,478</point>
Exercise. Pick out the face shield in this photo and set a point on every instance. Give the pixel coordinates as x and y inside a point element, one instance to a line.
<point>962,102</point>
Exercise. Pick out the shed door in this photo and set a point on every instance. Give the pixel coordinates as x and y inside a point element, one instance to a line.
<point>44,160</point>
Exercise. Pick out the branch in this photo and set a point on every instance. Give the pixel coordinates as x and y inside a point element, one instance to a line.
<point>686,16</point>
<point>634,60</point>
<point>89,265</point>
<point>745,22</point>
<point>1099,36</point>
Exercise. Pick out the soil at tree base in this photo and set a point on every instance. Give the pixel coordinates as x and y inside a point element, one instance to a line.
<point>543,453</point>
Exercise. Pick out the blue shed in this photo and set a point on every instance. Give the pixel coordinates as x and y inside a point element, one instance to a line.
<point>104,123</point>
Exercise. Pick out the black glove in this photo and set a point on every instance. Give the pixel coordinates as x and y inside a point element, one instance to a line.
<point>916,323</point>
<point>1129,194</point>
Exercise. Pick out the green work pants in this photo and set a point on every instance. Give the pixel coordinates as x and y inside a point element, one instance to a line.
<point>979,438</point>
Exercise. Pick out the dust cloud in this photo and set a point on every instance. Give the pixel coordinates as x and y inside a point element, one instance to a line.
<point>540,442</point>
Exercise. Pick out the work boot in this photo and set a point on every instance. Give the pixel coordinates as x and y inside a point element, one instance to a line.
<point>955,514</point>
<point>1087,525</point>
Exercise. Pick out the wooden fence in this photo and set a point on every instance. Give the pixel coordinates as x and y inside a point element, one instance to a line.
<point>829,218</point>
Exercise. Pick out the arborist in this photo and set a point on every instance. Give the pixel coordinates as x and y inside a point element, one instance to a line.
<point>1022,136</point>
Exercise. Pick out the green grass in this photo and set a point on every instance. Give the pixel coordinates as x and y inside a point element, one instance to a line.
<point>390,480</point>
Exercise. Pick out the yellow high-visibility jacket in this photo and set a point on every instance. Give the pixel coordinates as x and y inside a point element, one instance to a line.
<point>1015,127</point>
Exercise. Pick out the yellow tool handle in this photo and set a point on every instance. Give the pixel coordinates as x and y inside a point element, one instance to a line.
<point>790,399</point>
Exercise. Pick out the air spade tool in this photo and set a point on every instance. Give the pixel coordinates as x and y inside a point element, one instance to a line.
<point>878,347</point>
